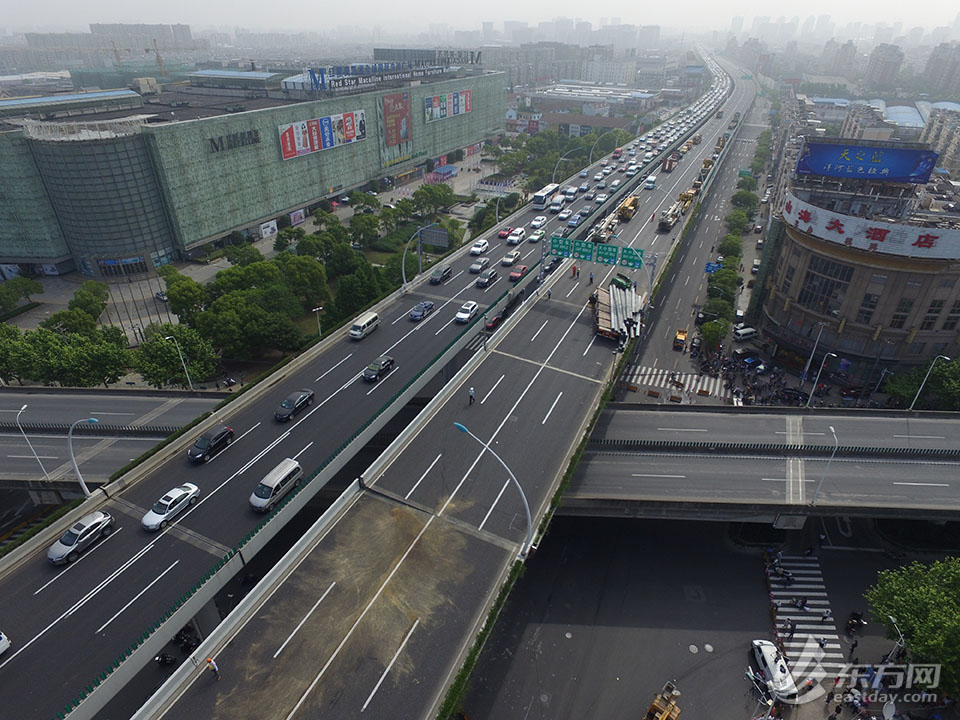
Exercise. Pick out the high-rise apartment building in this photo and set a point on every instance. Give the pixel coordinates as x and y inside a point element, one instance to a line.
<point>884,66</point>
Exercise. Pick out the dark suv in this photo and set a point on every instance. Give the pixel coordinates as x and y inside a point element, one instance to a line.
<point>440,274</point>
<point>210,443</point>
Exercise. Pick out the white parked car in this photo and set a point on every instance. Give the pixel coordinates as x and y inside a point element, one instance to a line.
<point>538,222</point>
<point>479,247</point>
<point>4,643</point>
<point>169,506</point>
<point>773,666</point>
<point>467,311</point>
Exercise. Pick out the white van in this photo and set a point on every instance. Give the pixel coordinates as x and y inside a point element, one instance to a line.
<point>744,334</point>
<point>275,485</point>
<point>648,157</point>
<point>651,182</point>
<point>558,202</point>
<point>364,325</point>
<point>570,193</point>
<point>615,184</point>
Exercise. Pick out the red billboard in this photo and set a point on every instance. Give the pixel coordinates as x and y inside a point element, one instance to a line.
<point>396,118</point>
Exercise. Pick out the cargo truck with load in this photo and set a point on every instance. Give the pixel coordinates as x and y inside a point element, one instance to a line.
<point>669,217</point>
<point>680,340</point>
<point>697,139</point>
<point>669,163</point>
<point>628,208</point>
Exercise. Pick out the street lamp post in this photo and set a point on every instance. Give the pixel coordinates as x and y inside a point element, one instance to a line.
<point>883,374</point>
<point>525,548</point>
<point>556,167</point>
<point>900,641</point>
<point>593,147</point>
<point>817,381</point>
<point>836,444</point>
<point>182,361</point>
<point>806,368</point>
<point>929,370</point>
<point>403,260</point>
<point>318,310</point>
<point>73,458</point>
<point>30,445</point>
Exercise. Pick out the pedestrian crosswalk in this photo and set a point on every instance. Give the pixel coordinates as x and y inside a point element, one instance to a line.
<point>809,635</point>
<point>689,383</point>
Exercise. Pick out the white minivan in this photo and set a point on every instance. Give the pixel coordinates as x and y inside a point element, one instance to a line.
<point>275,485</point>
<point>364,325</point>
<point>651,182</point>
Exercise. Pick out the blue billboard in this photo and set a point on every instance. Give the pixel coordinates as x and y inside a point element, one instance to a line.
<point>869,162</point>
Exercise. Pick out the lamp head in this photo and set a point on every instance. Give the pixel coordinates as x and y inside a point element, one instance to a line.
<point>24,407</point>
<point>93,420</point>
<point>460,426</point>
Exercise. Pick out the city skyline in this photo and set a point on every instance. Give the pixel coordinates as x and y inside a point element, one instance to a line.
<point>398,19</point>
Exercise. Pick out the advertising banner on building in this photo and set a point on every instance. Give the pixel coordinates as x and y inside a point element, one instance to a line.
<point>268,228</point>
<point>310,136</point>
<point>396,118</point>
<point>439,107</point>
<point>866,162</point>
<point>871,235</point>
<point>298,216</point>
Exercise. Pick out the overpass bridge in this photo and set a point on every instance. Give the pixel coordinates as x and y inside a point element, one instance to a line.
<point>763,464</point>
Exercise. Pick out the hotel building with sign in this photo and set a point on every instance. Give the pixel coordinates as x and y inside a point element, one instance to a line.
<point>115,183</point>
<point>859,257</point>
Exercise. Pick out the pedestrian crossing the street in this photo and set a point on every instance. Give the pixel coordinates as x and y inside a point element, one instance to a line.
<point>813,645</point>
<point>680,383</point>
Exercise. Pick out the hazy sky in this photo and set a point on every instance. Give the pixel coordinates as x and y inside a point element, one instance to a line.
<point>408,16</point>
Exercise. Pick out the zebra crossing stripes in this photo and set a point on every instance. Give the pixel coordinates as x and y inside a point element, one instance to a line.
<point>692,382</point>
<point>816,649</point>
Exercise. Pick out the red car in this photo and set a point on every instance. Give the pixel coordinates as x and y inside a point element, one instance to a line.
<point>494,322</point>
<point>518,272</point>
<point>505,232</point>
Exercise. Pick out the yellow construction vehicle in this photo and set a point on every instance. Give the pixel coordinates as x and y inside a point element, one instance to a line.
<point>664,705</point>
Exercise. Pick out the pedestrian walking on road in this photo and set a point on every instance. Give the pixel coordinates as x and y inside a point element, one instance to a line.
<point>473,395</point>
<point>853,646</point>
<point>212,664</point>
<point>549,293</point>
<point>826,616</point>
<point>591,279</point>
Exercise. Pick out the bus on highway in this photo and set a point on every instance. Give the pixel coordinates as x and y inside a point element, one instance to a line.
<point>545,196</point>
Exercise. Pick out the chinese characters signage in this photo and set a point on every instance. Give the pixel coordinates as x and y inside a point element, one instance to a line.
<point>871,235</point>
<point>310,136</point>
<point>396,118</point>
<point>866,162</point>
<point>438,107</point>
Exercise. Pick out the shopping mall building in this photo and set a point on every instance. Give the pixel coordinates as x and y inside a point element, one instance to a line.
<point>864,255</point>
<point>117,182</point>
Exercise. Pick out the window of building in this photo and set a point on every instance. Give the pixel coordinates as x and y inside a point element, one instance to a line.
<point>938,349</point>
<point>825,286</point>
<point>916,348</point>
<point>933,312</point>
<point>878,279</point>
<point>947,282</point>
<point>952,317</point>
<point>787,279</point>
<point>867,306</point>
<point>913,283</point>
<point>900,315</point>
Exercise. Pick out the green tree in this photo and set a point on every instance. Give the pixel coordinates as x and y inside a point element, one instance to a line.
<point>244,254</point>
<point>360,199</point>
<point>343,261</point>
<point>99,290</point>
<point>281,242</point>
<point>8,299</point>
<point>24,287</point>
<point>352,294</point>
<point>714,332</point>
<point>11,341</point>
<point>310,246</point>
<point>746,201</point>
<point>364,229</point>
<point>73,321</point>
<point>88,303</point>
<point>389,219</point>
<point>392,273</point>
<point>718,308</point>
<point>406,208</point>
<point>158,362</point>
<point>306,278</point>
<point>185,295</point>
<point>737,222</point>
<point>747,183</point>
<point>925,602</point>
<point>731,245</point>
<point>42,356</point>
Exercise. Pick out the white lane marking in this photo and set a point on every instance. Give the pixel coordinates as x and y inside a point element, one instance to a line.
<point>401,317</point>
<point>70,567</point>
<point>444,326</point>
<point>305,448</point>
<point>390,665</point>
<point>493,505</point>
<point>590,344</point>
<point>669,429</point>
<point>575,286</point>
<point>774,479</point>
<point>425,472</point>
<point>490,391</point>
<point>656,476</point>
<point>42,457</point>
<point>137,596</point>
<point>360,618</point>
<point>305,618</point>
<point>538,331</point>
<point>547,416</point>
<point>81,602</point>
<point>921,437</point>
<point>912,484</point>
<point>102,412</point>
<point>334,368</point>
<point>379,382</point>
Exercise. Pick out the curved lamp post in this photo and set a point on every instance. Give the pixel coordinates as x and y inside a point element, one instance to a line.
<point>817,381</point>
<point>525,548</point>
<point>182,361</point>
<point>929,370</point>
<point>608,132</point>
<point>403,260</point>
<point>836,444</point>
<point>73,458</point>
<point>30,445</point>
<point>318,310</point>
<point>556,167</point>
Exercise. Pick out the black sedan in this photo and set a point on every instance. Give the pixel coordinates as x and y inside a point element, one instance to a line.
<point>210,443</point>
<point>294,403</point>
<point>378,368</point>
<point>421,310</point>
<point>695,347</point>
<point>552,264</point>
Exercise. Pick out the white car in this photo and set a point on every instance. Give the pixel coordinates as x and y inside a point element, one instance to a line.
<point>479,247</point>
<point>169,506</point>
<point>510,258</point>
<point>467,311</point>
<point>773,666</point>
<point>537,235</point>
<point>598,177</point>
<point>565,213</point>
<point>517,236</point>
<point>538,222</point>
<point>4,643</point>
<point>601,198</point>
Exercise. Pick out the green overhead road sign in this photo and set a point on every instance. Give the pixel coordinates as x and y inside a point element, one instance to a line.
<point>745,173</point>
<point>631,258</point>
<point>583,250</point>
<point>607,254</point>
<point>560,246</point>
